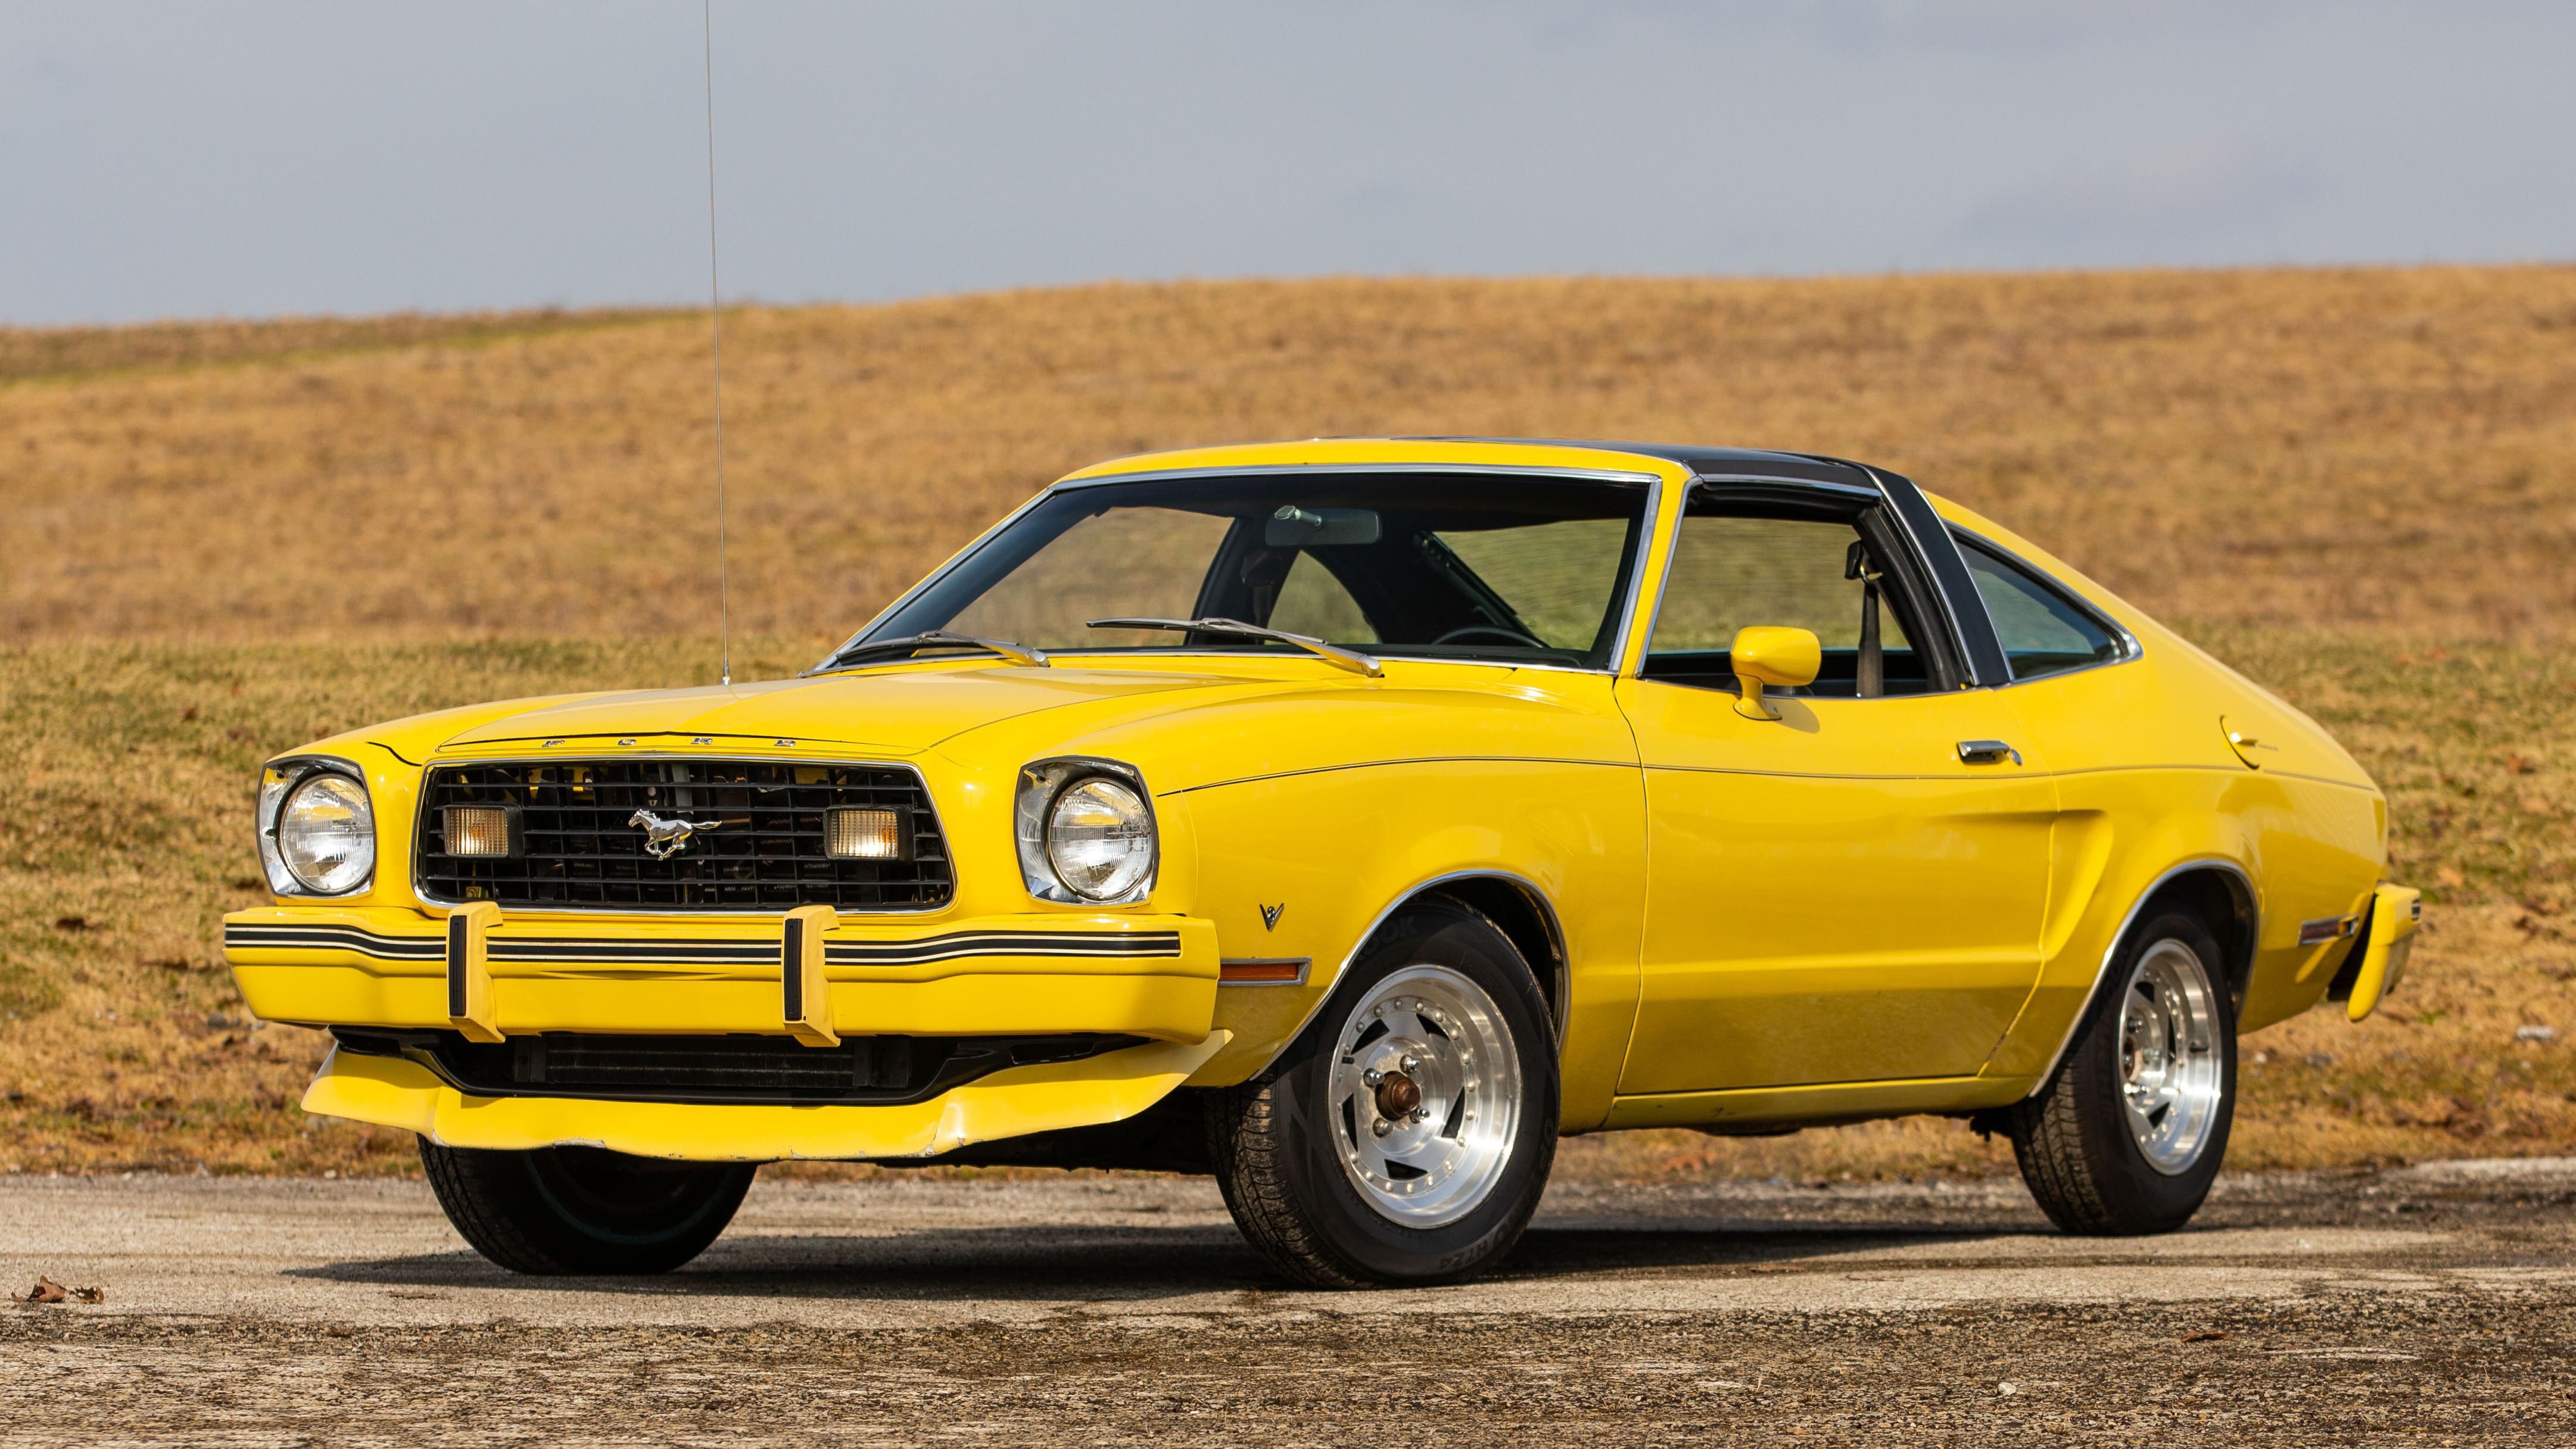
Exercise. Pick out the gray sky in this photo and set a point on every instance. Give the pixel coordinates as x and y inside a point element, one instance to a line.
<point>248,159</point>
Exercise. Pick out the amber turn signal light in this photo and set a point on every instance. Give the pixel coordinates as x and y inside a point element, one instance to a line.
<point>866,835</point>
<point>484,830</point>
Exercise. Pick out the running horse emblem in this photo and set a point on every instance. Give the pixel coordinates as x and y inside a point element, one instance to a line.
<point>667,835</point>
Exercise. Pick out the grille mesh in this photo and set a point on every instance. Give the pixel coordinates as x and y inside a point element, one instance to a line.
<point>765,852</point>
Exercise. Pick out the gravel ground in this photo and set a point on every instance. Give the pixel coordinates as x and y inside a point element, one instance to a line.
<point>2425,1304</point>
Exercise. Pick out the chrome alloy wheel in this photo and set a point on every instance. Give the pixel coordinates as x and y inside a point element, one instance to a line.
<point>1425,1096</point>
<point>2171,1070</point>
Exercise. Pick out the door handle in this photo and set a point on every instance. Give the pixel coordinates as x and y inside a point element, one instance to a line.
<point>1987,752</point>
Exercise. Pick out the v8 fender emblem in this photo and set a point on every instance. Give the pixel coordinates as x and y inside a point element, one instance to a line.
<point>1270,915</point>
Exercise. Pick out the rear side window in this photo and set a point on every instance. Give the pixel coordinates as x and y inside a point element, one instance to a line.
<point>2043,631</point>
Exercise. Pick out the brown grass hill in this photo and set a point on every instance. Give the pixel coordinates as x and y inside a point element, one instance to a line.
<point>220,540</point>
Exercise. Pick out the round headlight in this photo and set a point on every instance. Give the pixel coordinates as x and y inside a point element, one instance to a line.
<point>326,834</point>
<point>1100,839</point>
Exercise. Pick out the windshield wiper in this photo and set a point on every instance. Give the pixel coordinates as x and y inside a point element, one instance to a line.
<point>1350,659</point>
<point>1016,653</point>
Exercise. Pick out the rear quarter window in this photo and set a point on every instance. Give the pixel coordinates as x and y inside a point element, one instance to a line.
<point>2043,631</point>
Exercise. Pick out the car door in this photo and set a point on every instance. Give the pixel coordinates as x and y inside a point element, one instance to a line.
<point>1844,893</point>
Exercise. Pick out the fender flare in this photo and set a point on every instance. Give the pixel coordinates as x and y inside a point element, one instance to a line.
<point>2249,900</point>
<point>1556,981</point>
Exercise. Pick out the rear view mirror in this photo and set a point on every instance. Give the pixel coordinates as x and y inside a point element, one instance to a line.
<point>1295,527</point>
<point>1785,657</point>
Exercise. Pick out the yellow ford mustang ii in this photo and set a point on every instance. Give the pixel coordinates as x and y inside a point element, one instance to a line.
<point>1347,819</point>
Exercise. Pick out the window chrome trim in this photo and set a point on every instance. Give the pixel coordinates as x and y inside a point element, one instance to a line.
<point>2132,648</point>
<point>930,803</point>
<point>1903,505</point>
<point>2120,938</point>
<point>973,547</point>
<point>1653,483</point>
<point>1847,492</point>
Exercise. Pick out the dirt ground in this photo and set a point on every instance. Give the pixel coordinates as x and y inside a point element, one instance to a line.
<point>2421,1304</point>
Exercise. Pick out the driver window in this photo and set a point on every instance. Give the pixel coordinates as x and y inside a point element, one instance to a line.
<point>1731,572</point>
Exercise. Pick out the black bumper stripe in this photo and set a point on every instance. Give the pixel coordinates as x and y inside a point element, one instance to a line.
<point>701,952</point>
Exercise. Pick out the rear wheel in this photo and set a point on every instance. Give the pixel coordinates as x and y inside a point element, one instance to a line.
<point>1407,1134</point>
<point>581,1209</point>
<point>2129,1133</point>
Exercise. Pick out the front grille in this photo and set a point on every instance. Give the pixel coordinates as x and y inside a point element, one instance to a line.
<point>738,1069</point>
<point>577,848</point>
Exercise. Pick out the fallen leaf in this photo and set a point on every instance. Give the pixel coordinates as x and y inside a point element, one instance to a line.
<point>45,1291</point>
<point>2209,1335</point>
<point>89,1295</point>
<point>189,713</point>
<point>71,923</point>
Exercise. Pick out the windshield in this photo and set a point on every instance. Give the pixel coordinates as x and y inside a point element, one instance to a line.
<point>1509,569</point>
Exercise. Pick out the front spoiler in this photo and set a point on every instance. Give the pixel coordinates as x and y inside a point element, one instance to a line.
<point>391,1092</point>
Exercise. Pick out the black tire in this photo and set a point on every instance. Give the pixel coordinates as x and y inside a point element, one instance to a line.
<point>2074,1139</point>
<point>1279,1164</point>
<point>583,1210</point>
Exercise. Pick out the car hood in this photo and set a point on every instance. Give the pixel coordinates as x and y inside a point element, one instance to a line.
<point>898,710</point>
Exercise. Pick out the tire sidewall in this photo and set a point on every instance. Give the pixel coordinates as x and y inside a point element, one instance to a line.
<point>1375,1246</point>
<point>2151,1201</point>
<point>504,1204</point>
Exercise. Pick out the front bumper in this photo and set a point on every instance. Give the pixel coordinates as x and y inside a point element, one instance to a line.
<point>1133,976</point>
<point>1150,976</point>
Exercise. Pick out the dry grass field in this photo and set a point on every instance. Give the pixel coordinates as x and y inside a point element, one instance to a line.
<point>221,540</point>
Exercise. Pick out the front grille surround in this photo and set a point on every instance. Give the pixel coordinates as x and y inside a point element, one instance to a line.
<point>579,853</point>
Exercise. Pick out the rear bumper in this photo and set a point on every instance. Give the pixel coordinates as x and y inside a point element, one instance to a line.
<point>2387,941</point>
<point>393,1092</point>
<point>1150,976</point>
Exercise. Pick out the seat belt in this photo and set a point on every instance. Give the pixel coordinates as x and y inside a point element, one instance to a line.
<point>1869,670</point>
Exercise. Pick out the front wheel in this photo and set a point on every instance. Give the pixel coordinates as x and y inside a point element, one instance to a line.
<point>2128,1135</point>
<point>1407,1134</point>
<point>582,1209</point>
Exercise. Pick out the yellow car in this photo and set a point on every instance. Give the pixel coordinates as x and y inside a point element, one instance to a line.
<point>1347,819</point>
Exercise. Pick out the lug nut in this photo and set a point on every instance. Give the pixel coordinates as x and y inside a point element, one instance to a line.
<point>1411,1063</point>
<point>1380,1126</point>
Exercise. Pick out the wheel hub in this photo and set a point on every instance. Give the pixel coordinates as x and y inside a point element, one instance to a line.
<point>1397,1096</point>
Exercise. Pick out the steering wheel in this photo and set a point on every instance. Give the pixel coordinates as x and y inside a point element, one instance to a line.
<point>1465,632</point>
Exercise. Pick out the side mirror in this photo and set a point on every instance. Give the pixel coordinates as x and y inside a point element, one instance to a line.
<point>1785,657</point>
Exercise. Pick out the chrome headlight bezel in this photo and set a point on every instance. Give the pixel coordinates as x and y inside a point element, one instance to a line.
<point>278,782</point>
<point>1042,784</point>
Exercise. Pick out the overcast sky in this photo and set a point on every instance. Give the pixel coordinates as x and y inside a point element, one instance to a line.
<point>247,159</point>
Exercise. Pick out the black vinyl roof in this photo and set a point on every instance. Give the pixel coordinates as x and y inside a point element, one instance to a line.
<point>1765,462</point>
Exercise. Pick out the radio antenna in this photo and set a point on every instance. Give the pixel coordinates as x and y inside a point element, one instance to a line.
<point>715,328</point>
